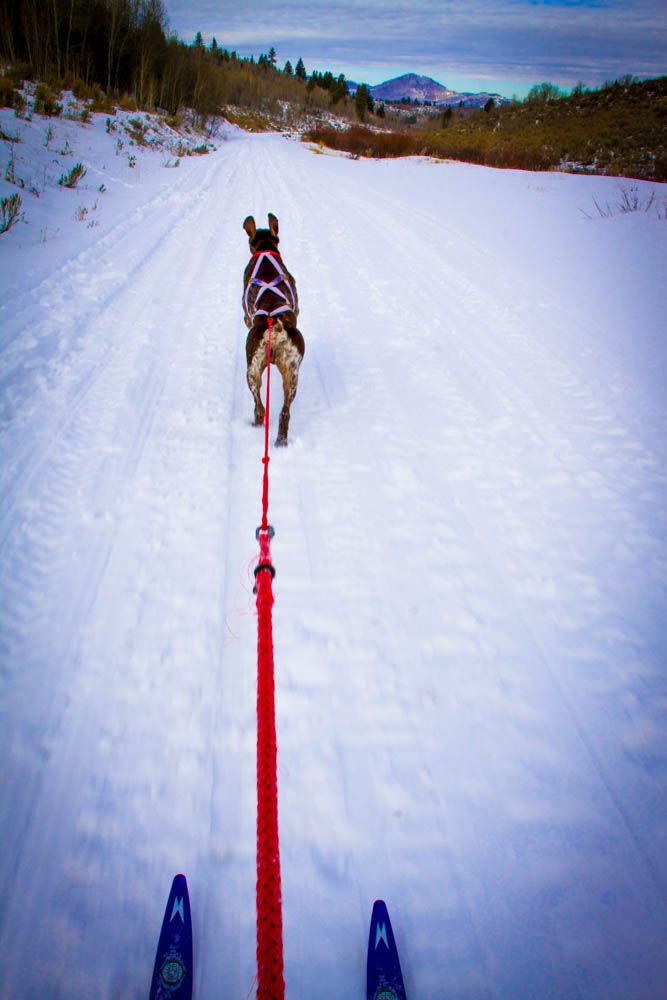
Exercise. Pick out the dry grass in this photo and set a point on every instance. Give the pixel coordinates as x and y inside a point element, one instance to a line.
<point>619,130</point>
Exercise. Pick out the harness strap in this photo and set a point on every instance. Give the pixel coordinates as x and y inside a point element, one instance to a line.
<point>269,286</point>
<point>272,286</point>
<point>274,312</point>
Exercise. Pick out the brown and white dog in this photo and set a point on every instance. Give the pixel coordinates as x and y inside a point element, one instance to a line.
<point>269,292</point>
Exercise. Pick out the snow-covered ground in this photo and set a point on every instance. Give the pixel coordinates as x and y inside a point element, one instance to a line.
<point>471,590</point>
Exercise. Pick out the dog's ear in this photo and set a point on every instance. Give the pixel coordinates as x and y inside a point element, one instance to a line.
<point>250,227</point>
<point>273,224</point>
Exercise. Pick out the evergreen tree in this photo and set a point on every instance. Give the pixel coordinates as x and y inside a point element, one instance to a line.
<point>361,102</point>
<point>272,56</point>
<point>339,89</point>
<point>300,71</point>
<point>288,71</point>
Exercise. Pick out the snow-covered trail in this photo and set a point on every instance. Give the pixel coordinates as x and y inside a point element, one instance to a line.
<point>470,601</point>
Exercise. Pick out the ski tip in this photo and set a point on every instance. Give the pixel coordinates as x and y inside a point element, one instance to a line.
<point>383,970</point>
<point>380,911</point>
<point>173,969</point>
<point>180,884</point>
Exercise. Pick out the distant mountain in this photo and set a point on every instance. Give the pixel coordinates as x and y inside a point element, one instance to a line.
<point>417,88</point>
<point>423,89</point>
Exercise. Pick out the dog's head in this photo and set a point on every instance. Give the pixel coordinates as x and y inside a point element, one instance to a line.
<point>262,239</point>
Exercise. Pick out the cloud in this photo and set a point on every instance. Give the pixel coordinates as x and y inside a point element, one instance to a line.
<point>535,40</point>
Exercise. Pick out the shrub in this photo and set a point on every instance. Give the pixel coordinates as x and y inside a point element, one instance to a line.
<point>82,91</point>
<point>8,137</point>
<point>101,103</point>
<point>10,212</point>
<point>71,179</point>
<point>19,105</point>
<point>8,93</point>
<point>128,103</point>
<point>137,129</point>
<point>46,101</point>
<point>361,141</point>
<point>10,172</point>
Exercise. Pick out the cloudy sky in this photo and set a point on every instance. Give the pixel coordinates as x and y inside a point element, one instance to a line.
<point>500,45</point>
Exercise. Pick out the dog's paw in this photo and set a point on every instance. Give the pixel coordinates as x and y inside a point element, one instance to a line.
<point>281,441</point>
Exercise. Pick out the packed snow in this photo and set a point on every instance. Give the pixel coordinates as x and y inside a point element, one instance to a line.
<point>471,555</point>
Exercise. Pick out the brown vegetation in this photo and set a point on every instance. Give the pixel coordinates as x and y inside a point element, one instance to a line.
<point>619,130</point>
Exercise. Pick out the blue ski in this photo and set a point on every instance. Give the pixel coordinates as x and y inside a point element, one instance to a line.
<point>384,980</point>
<point>173,971</point>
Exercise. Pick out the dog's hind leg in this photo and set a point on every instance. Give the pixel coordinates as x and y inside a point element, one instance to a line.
<point>288,366</point>
<point>256,357</point>
<point>255,372</point>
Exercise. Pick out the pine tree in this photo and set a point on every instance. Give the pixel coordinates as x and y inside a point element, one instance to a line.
<point>339,89</point>
<point>363,102</point>
<point>300,71</point>
<point>288,71</point>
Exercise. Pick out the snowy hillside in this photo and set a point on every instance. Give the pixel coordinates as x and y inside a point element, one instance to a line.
<point>471,554</point>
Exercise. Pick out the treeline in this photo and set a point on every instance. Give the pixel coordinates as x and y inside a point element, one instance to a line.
<point>124,48</point>
<point>619,129</point>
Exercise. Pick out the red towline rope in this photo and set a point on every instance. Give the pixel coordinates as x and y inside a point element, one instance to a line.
<point>270,976</point>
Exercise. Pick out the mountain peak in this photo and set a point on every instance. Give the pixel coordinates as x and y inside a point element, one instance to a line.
<point>417,88</point>
<point>423,90</point>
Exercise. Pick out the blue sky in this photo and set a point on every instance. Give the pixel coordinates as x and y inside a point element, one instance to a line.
<point>505,46</point>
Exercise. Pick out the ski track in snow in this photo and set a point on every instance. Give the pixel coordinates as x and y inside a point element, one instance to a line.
<point>469,625</point>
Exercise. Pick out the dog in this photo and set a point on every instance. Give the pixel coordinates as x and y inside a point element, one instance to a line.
<point>269,293</point>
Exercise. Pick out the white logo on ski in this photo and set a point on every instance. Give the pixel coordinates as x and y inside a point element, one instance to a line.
<point>178,908</point>
<point>381,935</point>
